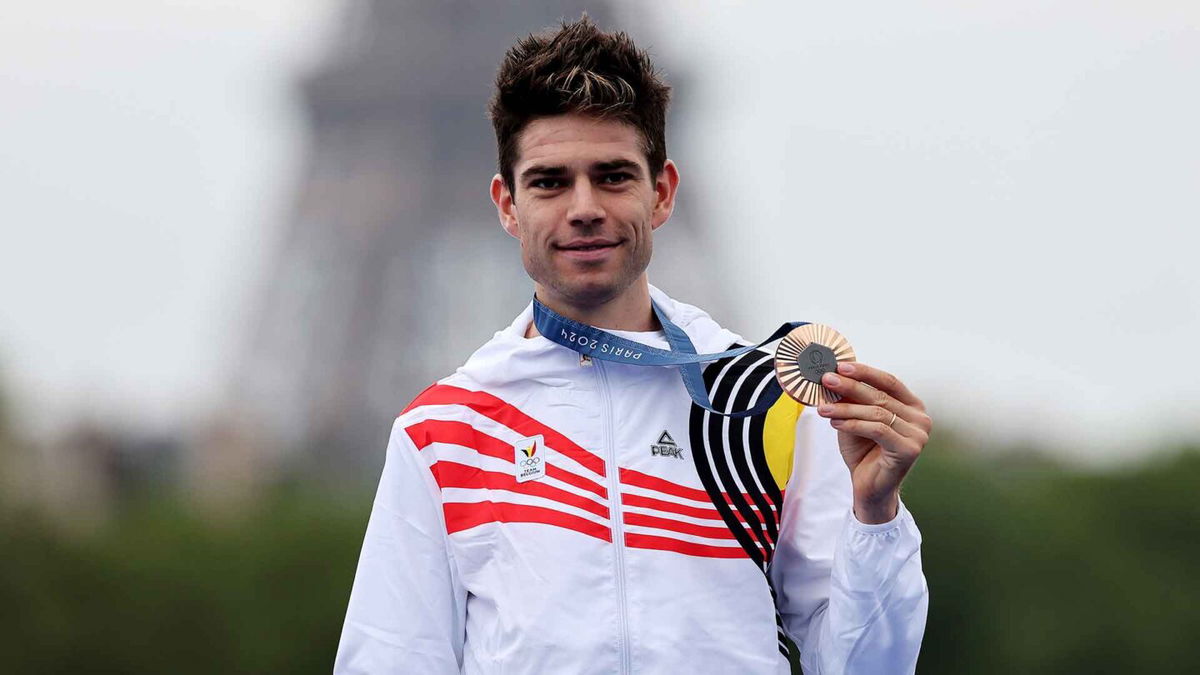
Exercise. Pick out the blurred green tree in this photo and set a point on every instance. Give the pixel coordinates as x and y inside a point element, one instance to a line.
<point>1038,569</point>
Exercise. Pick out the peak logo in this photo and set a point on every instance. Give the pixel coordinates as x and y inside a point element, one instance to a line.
<point>666,447</point>
<point>528,463</point>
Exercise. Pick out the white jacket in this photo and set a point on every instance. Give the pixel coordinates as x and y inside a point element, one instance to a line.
<point>542,513</point>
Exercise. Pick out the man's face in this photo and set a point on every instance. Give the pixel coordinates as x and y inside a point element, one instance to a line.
<point>584,206</point>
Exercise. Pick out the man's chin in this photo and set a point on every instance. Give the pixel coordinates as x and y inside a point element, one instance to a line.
<point>589,293</point>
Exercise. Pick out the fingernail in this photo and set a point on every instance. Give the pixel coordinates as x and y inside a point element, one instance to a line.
<point>825,409</point>
<point>846,368</point>
<point>837,423</point>
<point>832,380</point>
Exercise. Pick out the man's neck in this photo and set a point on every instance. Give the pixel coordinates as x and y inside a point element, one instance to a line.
<point>630,311</point>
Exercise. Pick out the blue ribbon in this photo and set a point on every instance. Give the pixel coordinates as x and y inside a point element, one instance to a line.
<point>598,344</point>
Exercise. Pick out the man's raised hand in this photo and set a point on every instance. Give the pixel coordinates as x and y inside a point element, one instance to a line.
<point>882,428</point>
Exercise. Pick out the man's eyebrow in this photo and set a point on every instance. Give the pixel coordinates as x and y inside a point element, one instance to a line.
<point>614,164</point>
<point>543,170</point>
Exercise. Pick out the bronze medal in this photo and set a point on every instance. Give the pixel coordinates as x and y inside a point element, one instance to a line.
<point>804,355</point>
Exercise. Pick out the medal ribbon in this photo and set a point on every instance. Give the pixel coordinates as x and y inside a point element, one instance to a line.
<point>599,344</point>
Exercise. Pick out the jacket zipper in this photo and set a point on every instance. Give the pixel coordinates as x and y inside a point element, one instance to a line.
<point>618,529</point>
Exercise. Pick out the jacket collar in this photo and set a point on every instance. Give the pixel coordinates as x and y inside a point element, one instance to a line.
<point>509,356</point>
<point>705,333</point>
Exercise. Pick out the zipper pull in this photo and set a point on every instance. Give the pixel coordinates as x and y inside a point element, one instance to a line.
<point>585,360</point>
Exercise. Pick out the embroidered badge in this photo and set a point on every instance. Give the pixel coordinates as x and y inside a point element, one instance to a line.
<point>529,459</point>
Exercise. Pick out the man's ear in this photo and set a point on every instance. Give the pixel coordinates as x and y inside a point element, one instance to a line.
<point>503,199</point>
<point>665,185</point>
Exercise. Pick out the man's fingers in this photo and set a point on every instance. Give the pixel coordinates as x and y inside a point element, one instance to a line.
<point>890,439</point>
<point>870,413</point>
<point>881,380</point>
<point>860,392</point>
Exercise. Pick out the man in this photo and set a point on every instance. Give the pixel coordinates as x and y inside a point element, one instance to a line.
<point>541,511</point>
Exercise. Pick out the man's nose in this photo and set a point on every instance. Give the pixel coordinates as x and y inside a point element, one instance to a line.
<point>585,205</point>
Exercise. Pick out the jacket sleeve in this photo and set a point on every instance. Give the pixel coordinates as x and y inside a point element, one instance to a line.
<point>852,596</point>
<point>408,605</point>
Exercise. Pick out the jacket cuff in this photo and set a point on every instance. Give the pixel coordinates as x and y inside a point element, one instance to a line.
<point>876,528</point>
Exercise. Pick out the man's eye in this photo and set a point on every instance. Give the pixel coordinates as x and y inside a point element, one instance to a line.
<point>546,183</point>
<point>615,178</point>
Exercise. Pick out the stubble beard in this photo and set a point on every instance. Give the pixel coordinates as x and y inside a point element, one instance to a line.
<point>587,291</point>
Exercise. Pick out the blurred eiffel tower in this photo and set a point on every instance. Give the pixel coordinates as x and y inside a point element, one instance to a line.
<point>392,267</point>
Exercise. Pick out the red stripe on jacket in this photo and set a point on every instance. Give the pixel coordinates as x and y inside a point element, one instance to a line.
<point>504,413</point>
<point>686,547</point>
<point>463,434</point>
<point>455,475</point>
<point>464,516</point>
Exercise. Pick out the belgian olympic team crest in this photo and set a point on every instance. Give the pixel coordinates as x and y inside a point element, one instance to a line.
<point>804,355</point>
<point>529,459</point>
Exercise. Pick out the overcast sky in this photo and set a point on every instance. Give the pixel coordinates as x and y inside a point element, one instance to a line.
<point>999,203</point>
<point>145,158</point>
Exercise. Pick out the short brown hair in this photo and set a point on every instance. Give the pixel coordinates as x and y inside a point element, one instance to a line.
<point>578,69</point>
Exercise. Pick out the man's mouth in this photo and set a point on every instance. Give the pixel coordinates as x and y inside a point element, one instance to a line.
<point>588,251</point>
<point>594,245</point>
<point>589,247</point>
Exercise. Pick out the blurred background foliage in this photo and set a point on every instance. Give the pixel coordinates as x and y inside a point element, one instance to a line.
<point>159,589</point>
<point>1033,568</point>
<point>1036,568</point>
